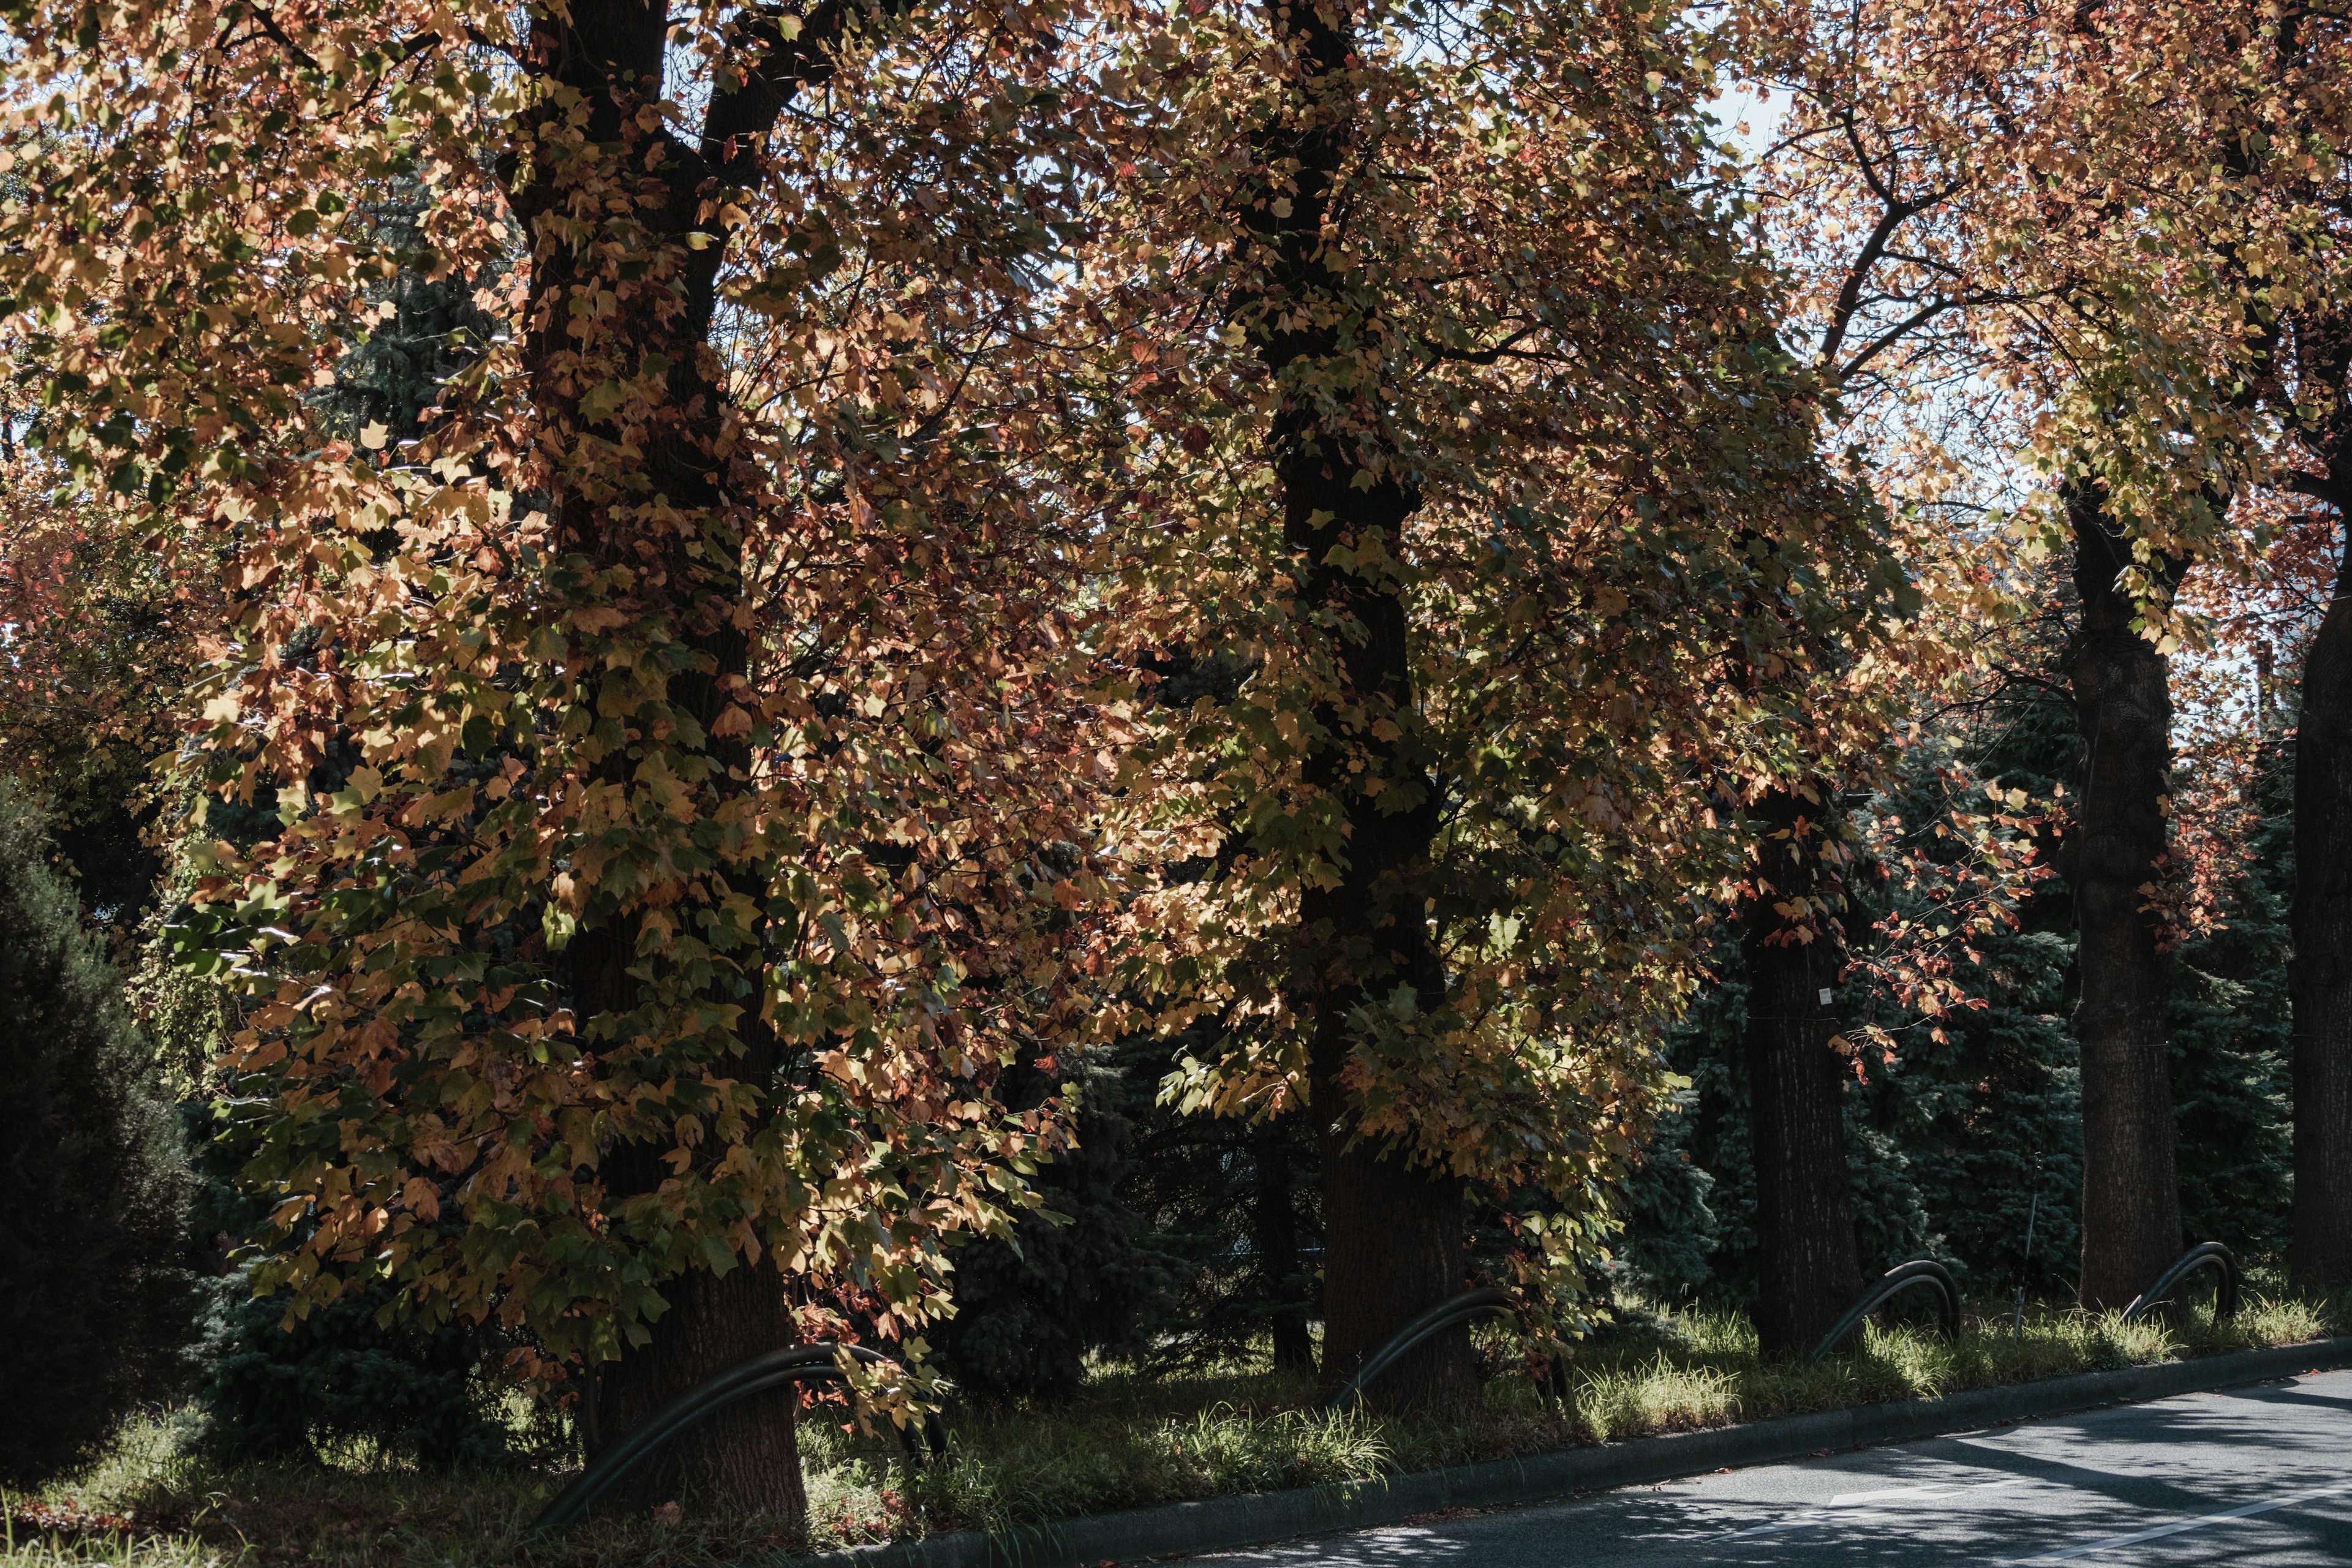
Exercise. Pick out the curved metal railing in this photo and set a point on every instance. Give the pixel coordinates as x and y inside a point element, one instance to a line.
<point>2204,1255</point>
<point>775,1369</point>
<point>1445,1315</point>
<point>1921,1273</point>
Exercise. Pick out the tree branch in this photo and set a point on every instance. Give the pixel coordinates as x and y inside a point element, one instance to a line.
<point>2333,492</point>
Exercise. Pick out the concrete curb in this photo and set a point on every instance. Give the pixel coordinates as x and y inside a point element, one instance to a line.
<point>1220,1523</point>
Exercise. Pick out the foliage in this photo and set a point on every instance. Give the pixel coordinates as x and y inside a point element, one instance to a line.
<point>1217,1198</point>
<point>566,884</point>
<point>741,609</point>
<point>270,1385</point>
<point>708,753</point>
<point>1672,1227</point>
<point>92,1182</point>
<point>2232,1054</point>
<point>1526,337</point>
<point>1962,1104</point>
<point>268,1388</point>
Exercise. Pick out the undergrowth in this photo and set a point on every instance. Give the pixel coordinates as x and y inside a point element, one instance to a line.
<point>1130,1439</point>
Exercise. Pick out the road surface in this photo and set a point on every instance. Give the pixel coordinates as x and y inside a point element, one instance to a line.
<point>2253,1477</point>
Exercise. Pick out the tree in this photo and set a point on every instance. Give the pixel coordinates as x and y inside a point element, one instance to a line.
<point>2082,220</point>
<point>2320,978</point>
<point>1502,497</point>
<point>1792,956</point>
<point>1956,1098</point>
<point>2219,317</point>
<point>93,1187</point>
<point>1860,190</point>
<point>670,736</point>
<point>1080,1276</point>
<point>1230,1206</point>
<point>2131,1189</point>
<point>2255,156</point>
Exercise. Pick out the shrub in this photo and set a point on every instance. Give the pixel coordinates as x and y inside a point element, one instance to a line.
<point>265,1389</point>
<point>1073,1280</point>
<point>94,1295</point>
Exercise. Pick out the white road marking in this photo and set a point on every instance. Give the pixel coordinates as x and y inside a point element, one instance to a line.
<point>2251,1508</point>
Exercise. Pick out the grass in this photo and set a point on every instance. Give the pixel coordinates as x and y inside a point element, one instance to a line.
<point>1128,1440</point>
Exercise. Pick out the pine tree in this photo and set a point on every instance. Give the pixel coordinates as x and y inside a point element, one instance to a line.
<point>93,1289</point>
<point>2232,1038</point>
<point>1956,1139</point>
<point>1075,1278</point>
<point>1231,1207</point>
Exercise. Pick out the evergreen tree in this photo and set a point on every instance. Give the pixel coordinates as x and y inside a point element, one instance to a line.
<point>93,1193</point>
<point>2232,1045</point>
<point>1964,1133</point>
<point>430,327</point>
<point>270,1388</point>
<point>1076,1277</point>
<point>1231,1206</point>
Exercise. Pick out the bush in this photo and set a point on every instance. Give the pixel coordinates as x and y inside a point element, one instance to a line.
<point>1074,1278</point>
<point>271,1392</point>
<point>267,1390</point>
<point>94,1294</point>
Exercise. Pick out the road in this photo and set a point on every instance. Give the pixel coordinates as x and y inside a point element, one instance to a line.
<point>2254,1477</point>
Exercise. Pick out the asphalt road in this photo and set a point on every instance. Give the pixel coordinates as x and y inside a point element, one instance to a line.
<point>2254,1477</point>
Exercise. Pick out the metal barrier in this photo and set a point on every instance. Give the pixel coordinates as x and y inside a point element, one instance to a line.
<point>776,1369</point>
<point>2204,1255</point>
<point>1445,1315</point>
<point>1919,1273</point>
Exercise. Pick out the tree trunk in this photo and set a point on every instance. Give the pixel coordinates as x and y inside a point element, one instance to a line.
<point>1392,1231</point>
<point>1273,1225</point>
<point>2123,704</point>
<point>1810,1262</point>
<point>744,1459</point>
<point>2319,977</point>
<point>651,183</point>
<point>1392,1250</point>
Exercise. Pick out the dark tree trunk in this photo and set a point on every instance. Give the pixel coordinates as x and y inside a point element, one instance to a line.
<point>1397,1234</point>
<point>1392,1231</point>
<point>2319,977</point>
<point>612,53</point>
<point>1808,1263</point>
<point>1273,1225</point>
<point>746,1458</point>
<point>2123,704</point>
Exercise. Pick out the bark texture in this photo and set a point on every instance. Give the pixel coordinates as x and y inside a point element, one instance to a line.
<point>1392,1250</point>
<point>1810,1260</point>
<point>746,1458</point>
<point>1392,1232</point>
<point>2123,704</point>
<point>2319,976</point>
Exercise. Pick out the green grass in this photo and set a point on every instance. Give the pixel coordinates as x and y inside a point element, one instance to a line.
<point>1128,1440</point>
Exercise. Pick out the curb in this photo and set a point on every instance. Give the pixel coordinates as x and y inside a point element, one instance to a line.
<point>1220,1524</point>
